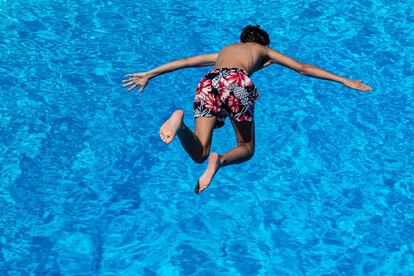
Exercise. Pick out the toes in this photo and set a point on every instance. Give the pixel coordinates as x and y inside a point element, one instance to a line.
<point>197,188</point>
<point>201,188</point>
<point>168,139</point>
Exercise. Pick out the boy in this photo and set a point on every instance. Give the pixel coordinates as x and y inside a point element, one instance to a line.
<point>227,91</point>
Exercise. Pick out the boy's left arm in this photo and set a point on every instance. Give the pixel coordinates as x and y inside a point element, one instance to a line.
<point>313,71</point>
<point>142,78</point>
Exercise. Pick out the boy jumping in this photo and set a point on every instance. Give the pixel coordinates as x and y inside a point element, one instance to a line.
<point>227,91</point>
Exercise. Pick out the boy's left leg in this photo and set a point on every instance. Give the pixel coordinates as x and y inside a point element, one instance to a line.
<point>243,152</point>
<point>245,144</point>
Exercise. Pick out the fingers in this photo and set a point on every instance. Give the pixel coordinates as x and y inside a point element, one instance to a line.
<point>133,75</point>
<point>135,80</point>
<point>132,87</point>
<point>142,88</point>
<point>133,83</point>
<point>364,87</point>
<point>359,85</point>
<point>130,79</point>
<point>128,84</point>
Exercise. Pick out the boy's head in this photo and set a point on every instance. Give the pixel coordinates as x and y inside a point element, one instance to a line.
<point>252,33</point>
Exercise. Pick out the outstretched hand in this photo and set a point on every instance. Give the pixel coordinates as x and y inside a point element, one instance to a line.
<point>135,80</point>
<point>357,84</point>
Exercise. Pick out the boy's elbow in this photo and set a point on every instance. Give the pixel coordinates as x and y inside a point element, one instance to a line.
<point>303,69</point>
<point>306,69</point>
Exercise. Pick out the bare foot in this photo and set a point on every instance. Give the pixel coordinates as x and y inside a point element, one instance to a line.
<point>170,127</point>
<point>212,167</point>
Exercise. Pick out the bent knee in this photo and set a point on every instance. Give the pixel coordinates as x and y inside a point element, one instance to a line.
<point>201,158</point>
<point>250,149</point>
<point>251,152</point>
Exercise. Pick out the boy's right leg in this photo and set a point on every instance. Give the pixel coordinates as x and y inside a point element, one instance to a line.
<point>196,144</point>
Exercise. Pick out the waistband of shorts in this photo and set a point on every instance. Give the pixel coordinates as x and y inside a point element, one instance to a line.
<point>232,69</point>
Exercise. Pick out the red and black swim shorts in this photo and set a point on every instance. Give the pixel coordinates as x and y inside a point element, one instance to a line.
<point>226,92</point>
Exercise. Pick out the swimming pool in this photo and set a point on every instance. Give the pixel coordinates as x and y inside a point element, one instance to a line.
<point>87,187</point>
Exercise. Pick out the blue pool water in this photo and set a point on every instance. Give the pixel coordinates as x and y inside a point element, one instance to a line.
<point>87,187</point>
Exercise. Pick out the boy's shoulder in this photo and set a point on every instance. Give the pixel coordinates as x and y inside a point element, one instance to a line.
<point>248,45</point>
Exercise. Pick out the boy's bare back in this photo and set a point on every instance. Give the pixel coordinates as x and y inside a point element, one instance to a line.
<point>248,56</point>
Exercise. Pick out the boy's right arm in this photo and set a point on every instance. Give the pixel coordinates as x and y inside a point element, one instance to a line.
<point>141,79</point>
<point>313,71</point>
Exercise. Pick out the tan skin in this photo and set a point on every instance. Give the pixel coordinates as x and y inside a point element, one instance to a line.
<point>249,56</point>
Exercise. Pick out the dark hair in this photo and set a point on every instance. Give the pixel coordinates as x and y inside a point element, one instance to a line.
<point>252,33</point>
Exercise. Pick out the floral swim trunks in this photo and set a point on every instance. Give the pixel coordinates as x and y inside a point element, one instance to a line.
<point>225,92</point>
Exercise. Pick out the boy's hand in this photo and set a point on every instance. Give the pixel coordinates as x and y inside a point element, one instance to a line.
<point>136,79</point>
<point>357,84</point>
